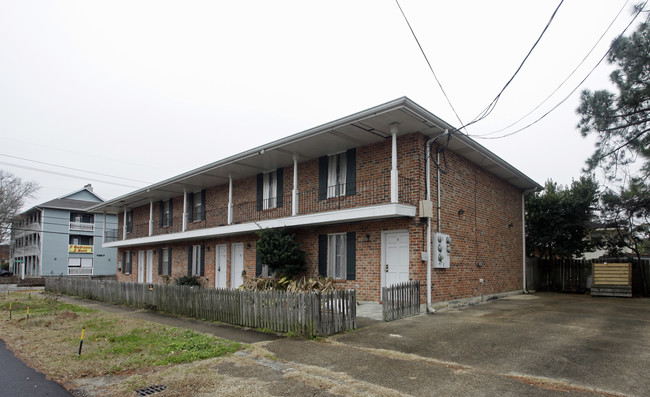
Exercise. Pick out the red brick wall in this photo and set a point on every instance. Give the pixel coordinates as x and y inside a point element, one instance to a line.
<point>480,212</point>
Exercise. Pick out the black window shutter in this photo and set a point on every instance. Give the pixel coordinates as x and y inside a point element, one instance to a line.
<point>322,255</point>
<point>351,172</point>
<point>260,191</point>
<point>280,184</point>
<point>130,259</point>
<point>189,260</point>
<point>190,205</point>
<point>322,178</point>
<point>169,261</point>
<point>160,261</point>
<point>202,262</point>
<point>171,212</point>
<point>123,261</point>
<point>161,211</point>
<point>258,263</point>
<point>203,205</point>
<point>351,257</point>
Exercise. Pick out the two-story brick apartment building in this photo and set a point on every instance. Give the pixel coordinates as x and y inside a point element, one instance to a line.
<point>60,237</point>
<point>355,194</point>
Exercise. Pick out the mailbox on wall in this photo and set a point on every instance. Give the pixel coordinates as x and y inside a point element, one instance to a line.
<point>441,250</point>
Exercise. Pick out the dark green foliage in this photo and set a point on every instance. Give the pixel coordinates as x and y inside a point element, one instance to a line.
<point>627,213</point>
<point>621,121</point>
<point>188,280</point>
<point>279,250</point>
<point>558,219</point>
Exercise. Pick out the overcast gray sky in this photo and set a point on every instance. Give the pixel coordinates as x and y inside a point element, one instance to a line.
<point>146,90</point>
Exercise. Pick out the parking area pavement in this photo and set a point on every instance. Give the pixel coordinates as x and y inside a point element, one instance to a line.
<point>537,344</point>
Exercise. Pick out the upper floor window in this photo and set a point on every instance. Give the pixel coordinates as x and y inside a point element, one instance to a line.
<point>81,240</point>
<point>82,221</point>
<point>166,213</point>
<point>82,217</point>
<point>337,175</point>
<point>196,206</point>
<point>269,189</point>
<point>129,221</point>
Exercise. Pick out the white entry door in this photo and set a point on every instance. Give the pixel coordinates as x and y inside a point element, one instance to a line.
<point>237,265</point>
<point>141,266</point>
<point>221,266</point>
<point>396,258</point>
<point>150,266</point>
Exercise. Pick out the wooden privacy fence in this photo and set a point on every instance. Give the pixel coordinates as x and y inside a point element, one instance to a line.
<point>309,314</point>
<point>401,300</point>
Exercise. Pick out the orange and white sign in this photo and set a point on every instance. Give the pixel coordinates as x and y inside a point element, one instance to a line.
<point>81,249</point>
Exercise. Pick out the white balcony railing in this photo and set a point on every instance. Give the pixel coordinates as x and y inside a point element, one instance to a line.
<point>82,226</point>
<point>80,271</point>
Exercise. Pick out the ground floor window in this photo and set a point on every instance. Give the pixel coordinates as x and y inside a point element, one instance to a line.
<point>195,260</point>
<point>337,255</point>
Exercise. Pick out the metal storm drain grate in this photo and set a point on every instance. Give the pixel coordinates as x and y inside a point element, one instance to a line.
<point>149,390</point>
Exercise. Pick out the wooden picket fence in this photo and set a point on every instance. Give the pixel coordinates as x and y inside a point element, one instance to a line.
<point>308,314</point>
<point>401,300</point>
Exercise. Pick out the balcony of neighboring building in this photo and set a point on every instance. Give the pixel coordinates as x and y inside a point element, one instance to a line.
<point>82,222</point>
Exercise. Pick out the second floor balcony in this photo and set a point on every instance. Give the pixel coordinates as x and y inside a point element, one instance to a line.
<point>82,226</point>
<point>368,193</point>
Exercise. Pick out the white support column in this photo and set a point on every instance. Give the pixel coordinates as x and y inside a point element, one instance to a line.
<point>124,226</point>
<point>184,210</point>
<point>230,205</point>
<point>150,218</point>
<point>294,191</point>
<point>394,175</point>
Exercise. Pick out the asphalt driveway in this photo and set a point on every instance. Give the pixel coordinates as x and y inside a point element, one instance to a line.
<point>539,344</point>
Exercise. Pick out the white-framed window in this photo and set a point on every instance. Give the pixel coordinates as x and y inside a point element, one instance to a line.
<point>127,262</point>
<point>167,213</point>
<point>80,262</point>
<point>196,260</point>
<point>336,256</point>
<point>165,261</point>
<point>270,189</point>
<point>81,240</point>
<point>336,175</point>
<point>129,221</point>
<point>198,206</point>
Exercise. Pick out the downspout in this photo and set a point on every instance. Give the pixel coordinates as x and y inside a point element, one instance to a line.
<point>428,184</point>
<point>523,237</point>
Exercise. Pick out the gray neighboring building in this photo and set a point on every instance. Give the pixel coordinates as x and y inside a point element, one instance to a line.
<point>60,237</point>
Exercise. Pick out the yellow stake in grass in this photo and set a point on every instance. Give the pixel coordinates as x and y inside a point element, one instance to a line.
<point>9,310</point>
<point>28,312</point>
<point>81,342</point>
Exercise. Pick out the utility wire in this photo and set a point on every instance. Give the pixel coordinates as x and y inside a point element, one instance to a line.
<point>428,63</point>
<point>73,169</point>
<point>494,102</point>
<point>575,89</point>
<point>66,175</point>
<point>563,82</point>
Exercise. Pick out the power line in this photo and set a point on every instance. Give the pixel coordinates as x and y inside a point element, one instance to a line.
<point>66,175</point>
<point>575,89</point>
<point>73,169</point>
<point>428,63</point>
<point>563,82</point>
<point>493,104</point>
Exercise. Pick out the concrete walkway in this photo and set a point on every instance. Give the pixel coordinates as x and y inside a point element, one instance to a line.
<point>533,345</point>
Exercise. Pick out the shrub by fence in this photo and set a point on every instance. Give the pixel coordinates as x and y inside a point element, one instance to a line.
<point>309,314</point>
<point>401,300</point>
